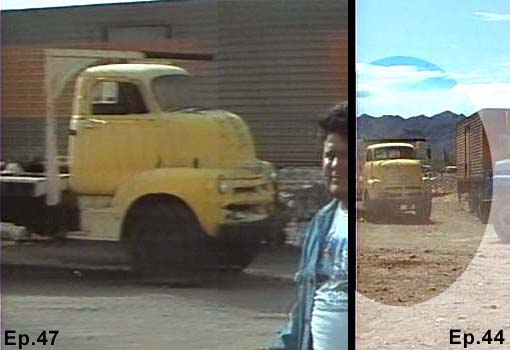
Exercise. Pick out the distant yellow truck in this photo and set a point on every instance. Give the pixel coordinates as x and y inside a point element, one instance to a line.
<point>393,178</point>
<point>148,168</point>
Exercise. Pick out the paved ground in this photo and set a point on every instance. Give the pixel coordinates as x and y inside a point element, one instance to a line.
<point>111,310</point>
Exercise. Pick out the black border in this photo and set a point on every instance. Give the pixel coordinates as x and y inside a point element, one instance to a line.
<point>351,95</point>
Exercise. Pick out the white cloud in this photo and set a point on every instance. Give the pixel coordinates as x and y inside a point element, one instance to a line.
<point>462,98</point>
<point>385,90</point>
<point>377,80</point>
<point>393,90</point>
<point>463,76</point>
<point>395,74</point>
<point>505,64</point>
<point>488,95</point>
<point>493,17</point>
<point>411,103</point>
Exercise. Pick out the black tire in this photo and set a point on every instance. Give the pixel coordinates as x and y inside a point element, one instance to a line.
<point>424,208</point>
<point>236,255</point>
<point>165,238</point>
<point>276,235</point>
<point>387,209</point>
<point>502,223</point>
<point>370,209</point>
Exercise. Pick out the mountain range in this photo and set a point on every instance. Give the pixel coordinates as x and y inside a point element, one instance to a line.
<point>439,130</point>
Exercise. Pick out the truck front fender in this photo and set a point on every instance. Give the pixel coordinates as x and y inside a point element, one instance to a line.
<point>373,181</point>
<point>198,188</point>
<point>372,187</point>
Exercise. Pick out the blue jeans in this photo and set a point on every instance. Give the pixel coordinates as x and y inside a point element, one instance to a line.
<point>329,329</point>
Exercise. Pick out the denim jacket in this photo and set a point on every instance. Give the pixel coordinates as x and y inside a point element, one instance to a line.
<point>296,334</point>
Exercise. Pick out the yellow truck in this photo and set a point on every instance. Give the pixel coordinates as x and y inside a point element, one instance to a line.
<point>393,178</point>
<point>174,184</point>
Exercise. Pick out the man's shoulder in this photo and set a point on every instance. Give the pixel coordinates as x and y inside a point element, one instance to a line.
<point>324,213</point>
<point>328,209</point>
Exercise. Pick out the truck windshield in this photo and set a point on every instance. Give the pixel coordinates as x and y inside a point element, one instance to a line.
<point>397,152</point>
<point>174,92</point>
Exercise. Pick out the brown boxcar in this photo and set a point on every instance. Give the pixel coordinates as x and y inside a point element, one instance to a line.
<point>482,139</point>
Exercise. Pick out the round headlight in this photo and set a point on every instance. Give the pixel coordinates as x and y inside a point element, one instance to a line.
<point>222,185</point>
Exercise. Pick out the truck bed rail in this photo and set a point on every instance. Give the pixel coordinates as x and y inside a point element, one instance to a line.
<point>28,185</point>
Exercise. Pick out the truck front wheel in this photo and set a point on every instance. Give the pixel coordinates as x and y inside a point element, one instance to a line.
<point>165,238</point>
<point>370,208</point>
<point>237,255</point>
<point>424,208</point>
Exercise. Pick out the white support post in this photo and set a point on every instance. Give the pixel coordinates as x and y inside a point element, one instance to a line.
<point>53,194</point>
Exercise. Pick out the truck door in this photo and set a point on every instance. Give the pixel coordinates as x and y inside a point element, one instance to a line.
<point>115,141</point>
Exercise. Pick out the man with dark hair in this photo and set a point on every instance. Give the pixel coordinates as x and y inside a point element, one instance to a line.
<point>335,128</point>
<point>318,320</point>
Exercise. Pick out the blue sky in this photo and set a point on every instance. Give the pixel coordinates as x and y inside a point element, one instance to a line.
<point>465,41</point>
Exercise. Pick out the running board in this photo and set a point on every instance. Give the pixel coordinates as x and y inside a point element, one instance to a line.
<point>102,222</point>
<point>85,236</point>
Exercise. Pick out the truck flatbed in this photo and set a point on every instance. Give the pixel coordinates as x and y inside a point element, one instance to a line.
<point>28,185</point>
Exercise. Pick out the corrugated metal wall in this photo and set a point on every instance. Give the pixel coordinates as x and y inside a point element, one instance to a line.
<point>280,64</point>
<point>471,152</point>
<point>188,19</point>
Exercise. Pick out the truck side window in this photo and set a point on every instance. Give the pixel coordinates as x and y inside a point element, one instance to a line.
<point>369,156</point>
<point>114,98</point>
<point>380,153</point>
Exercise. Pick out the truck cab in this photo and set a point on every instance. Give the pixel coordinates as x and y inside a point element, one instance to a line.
<point>392,177</point>
<point>172,181</point>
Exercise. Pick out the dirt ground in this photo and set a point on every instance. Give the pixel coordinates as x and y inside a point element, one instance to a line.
<point>418,282</point>
<point>403,261</point>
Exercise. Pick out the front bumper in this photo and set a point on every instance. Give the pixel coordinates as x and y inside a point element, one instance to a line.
<point>402,197</point>
<point>255,231</point>
<point>401,194</point>
<point>398,200</point>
